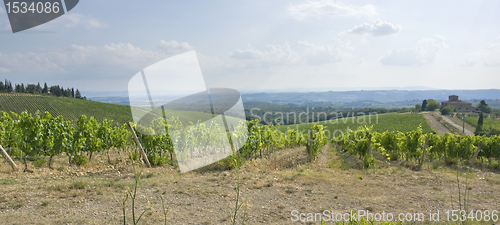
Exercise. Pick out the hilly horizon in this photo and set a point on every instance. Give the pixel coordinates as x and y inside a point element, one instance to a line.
<point>376,96</point>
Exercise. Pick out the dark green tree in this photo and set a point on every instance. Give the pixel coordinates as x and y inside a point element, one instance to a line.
<point>424,105</point>
<point>45,89</point>
<point>10,89</point>
<point>479,127</point>
<point>77,94</point>
<point>483,107</point>
<point>431,105</point>
<point>418,108</point>
<point>447,110</point>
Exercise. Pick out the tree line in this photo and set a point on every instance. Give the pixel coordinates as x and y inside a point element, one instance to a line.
<point>55,90</point>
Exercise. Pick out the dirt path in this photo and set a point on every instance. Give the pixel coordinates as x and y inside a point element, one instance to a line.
<point>435,125</point>
<point>467,132</point>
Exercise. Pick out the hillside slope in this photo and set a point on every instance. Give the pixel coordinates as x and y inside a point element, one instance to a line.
<point>72,109</point>
<point>69,108</point>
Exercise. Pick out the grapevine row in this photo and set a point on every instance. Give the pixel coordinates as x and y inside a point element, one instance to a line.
<point>37,135</point>
<point>411,145</point>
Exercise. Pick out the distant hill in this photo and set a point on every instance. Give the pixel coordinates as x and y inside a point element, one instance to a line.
<point>356,99</point>
<point>383,96</point>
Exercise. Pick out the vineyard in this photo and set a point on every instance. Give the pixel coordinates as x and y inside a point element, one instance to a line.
<point>403,122</point>
<point>70,108</point>
<point>42,135</point>
<point>488,123</point>
<point>276,181</point>
<point>414,145</point>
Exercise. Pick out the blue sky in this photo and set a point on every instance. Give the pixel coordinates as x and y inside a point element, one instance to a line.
<point>261,45</point>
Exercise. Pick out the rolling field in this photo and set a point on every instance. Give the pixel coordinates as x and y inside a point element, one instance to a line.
<point>72,109</point>
<point>487,122</point>
<point>403,122</point>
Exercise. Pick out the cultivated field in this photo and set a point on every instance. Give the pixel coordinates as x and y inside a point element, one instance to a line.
<point>402,122</point>
<point>275,185</point>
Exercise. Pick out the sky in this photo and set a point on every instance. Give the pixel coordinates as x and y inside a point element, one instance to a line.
<point>264,45</point>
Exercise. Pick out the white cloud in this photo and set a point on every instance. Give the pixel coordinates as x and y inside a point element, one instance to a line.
<point>425,53</point>
<point>467,63</point>
<point>322,8</point>
<point>76,19</point>
<point>492,46</point>
<point>71,20</point>
<point>111,60</point>
<point>3,70</point>
<point>320,54</point>
<point>301,52</point>
<point>273,55</point>
<point>174,47</point>
<point>492,64</point>
<point>378,28</point>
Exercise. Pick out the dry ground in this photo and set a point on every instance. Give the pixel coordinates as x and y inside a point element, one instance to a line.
<point>275,185</point>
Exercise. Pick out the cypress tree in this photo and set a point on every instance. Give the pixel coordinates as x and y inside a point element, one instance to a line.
<point>45,89</point>
<point>77,94</point>
<point>479,127</point>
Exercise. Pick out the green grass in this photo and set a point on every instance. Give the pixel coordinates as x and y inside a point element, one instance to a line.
<point>487,122</point>
<point>72,109</point>
<point>69,108</point>
<point>403,122</point>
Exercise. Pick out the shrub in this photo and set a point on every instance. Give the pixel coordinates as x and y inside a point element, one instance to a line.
<point>496,165</point>
<point>436,164</point>
<point>39,162</point>
<point>368,161</point>
<point>134,155</point>
<point>393,155</point>
<point>447,110</point>
<point>156,160</point>
<point>80,160</point>
<point>78,185</point>
<point>231,162</point>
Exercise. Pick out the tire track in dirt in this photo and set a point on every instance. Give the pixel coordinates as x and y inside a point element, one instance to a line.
<point>435,124</point>
<point>456,125</point>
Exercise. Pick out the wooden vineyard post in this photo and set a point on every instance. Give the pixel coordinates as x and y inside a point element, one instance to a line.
<point>310,149</point>
<point>286,140</point>
<point>143,155</point>
<point>370,144</point>
<point>233,146</point>
<point>7,157</point>
<point>477,152</point>
<point>423,151</point>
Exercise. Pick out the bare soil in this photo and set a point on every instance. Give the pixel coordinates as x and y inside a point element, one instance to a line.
<point>275,185</point>
<point>435,125</point>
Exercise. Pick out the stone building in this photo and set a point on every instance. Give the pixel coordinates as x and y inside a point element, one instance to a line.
<point>460,106</point>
